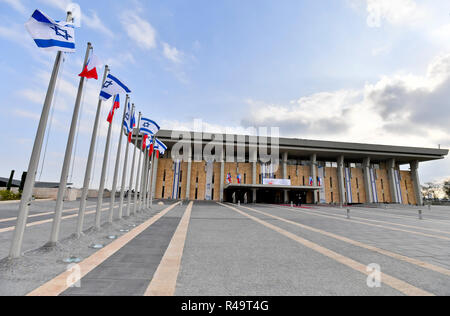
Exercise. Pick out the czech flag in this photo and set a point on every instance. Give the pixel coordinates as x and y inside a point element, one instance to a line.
<point>229,179</point>
<point>150,150</point>
<point>311,181</point>
<point>144,142</point>
<point>239,178</point>
<point>90,71</point>
<point>115,106</point>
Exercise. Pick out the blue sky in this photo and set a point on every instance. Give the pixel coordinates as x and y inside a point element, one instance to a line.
<point>373,71</point>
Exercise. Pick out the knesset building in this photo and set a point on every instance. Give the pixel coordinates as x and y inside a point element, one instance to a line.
<point>309,171</point>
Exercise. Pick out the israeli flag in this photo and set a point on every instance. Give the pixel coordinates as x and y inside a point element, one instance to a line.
<point>159,145</point>
<point>51,35</point>
<point>149,127</point>
<point>112,86</point>
<point>128,122</point>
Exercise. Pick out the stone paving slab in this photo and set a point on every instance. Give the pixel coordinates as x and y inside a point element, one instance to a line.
<point>129,271</point>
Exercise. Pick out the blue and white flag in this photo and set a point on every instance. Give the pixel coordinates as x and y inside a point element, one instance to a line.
<point>111,87</point>
<point>159,146</point>
<point>51,35</point>
<point>127,123</point>
<point>149,127</point>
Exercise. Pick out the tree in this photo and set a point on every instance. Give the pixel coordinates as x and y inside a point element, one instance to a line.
<point>446,188</point>
<point>431,190</point>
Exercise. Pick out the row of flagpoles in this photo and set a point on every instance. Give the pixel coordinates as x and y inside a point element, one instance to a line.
<point>52,35</point>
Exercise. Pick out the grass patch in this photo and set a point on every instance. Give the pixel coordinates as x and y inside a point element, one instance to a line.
<point>6,195</point>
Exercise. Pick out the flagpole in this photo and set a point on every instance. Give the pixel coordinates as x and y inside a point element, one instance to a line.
<point>88,172</point>
<point>124,172</point>
<point>116,168</point>
<point>137,180</point>
<point>101,189</point>
<point>147,169</point>
<point>151,174</point>
<point>67,158</point>
<point>25,202</point>
<point>143,178</point>
<point>133,164</point>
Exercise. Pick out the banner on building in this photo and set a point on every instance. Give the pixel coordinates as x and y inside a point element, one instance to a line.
<point>286,182</point>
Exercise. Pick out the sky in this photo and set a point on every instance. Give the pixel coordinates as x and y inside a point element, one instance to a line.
<point>370,71</point>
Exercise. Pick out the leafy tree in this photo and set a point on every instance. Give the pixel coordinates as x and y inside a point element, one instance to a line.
<point>446,188</point>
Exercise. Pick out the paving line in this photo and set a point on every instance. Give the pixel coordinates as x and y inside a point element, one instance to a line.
<point>43,214</point>
<point>59,284</point>
<point>164,280</point>
<point>416,262</point>
<point>411,217</point>
<point>393,282</point>
<point>369,224</point>
<point>11,228</point>
<point>378,221</point>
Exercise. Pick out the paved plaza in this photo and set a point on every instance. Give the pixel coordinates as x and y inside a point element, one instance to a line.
<point>208,248</point>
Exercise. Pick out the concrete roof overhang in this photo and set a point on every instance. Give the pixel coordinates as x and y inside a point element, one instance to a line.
<point>325,150</point>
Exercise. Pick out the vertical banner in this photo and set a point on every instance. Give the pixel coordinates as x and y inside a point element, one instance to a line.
<point>398,187</point>
<point>209,184</point>
<point>373,182</point>
<point>321,184</point>
<point>348,186</point>
<point>176,179</point>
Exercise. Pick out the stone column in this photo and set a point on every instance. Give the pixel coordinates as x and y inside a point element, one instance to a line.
<point>367,180</point>
<point>285,176</point>
<point>341,182</point>
<point>391,175</point>
<point>416,182</point>
<point>222,175</point>
<point>314,175</point>
<point>254,160</point>
<point>189,172</point>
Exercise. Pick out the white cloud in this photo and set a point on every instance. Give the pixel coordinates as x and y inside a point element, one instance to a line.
<point>139,30</point>
<point>59,4</point>
<point>171,53</point>
<point>94,22</point>
<point>397,12</point>
<point>27,114</point>
<point>400,109</point>
<point>16,5</point>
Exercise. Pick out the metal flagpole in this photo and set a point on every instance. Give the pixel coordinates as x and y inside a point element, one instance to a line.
<point>67,158</point>
<point>137,180</point>
<point>145,184</point>
<point>124,172</point>
<point>98,213</point>
<point>116,168</point>
<point>151,174</point>
<point>25,202</point>
<point>132,165</point>
<point>147,169</point>
<point>88,172</point>
<point>142,195</point>
<point>154,176</point>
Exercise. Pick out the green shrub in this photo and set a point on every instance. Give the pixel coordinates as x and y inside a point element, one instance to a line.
<point>6,195</point>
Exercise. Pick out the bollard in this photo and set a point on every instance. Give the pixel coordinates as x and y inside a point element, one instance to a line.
<point>420,215</point>
<point>239,203</point>
<point>348,213</point>
<point>292,204</point>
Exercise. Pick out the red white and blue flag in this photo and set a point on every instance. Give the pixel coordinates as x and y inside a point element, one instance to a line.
<point>311,182</point>
<point>116,105</point>
<point>229,179</point>
<point>239,178</point>
<point>92,67</point>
